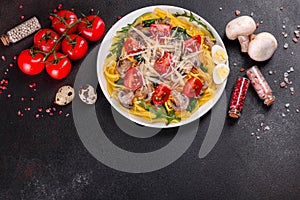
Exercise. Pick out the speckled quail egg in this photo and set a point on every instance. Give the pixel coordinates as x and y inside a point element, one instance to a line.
<point>219,54</point>
<point>88,94</point>
<point>220,73</point>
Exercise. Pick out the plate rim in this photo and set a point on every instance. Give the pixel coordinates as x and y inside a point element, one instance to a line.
<point>202,110</point>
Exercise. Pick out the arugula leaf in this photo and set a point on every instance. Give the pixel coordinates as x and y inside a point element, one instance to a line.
<point>120,81</point>
<point>192,105</point>
<point>139,58</point>
<point>148,22</point>
<point>193,18</point>
<point>117,46</point>
<point>160,112</point>
<point>204,69</point>
<point>180,32</point>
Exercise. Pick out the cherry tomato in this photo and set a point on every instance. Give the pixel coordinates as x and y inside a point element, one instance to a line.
<point>160,30</point>
<point>133,79</point>
<point>63,20</point>
<point>74,46</point>
<point>30,63</point>
<point>161,94</point>
<point>58,66</point>
<point>91,28</point>
<point>192,45</point>
<point>163,64</point>
<point>131,46</point>
<point>192,87</point>
<point>45,40</point>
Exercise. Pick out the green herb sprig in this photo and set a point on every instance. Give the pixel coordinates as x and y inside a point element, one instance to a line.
<point>192,18</point>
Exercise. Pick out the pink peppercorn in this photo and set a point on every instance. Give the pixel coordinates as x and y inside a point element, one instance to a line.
<point>238,97</point>
<point>59,6</point>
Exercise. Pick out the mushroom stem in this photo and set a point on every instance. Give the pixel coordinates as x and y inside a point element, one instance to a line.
<point>244,42</point>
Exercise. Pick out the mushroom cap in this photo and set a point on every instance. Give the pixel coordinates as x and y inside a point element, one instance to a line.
<point>262,46</point>
<point>240,26</point>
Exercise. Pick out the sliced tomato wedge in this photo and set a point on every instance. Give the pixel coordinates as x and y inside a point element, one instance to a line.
<point>133,79</point>
<point>192,87</point>
<point>131,46</point>
<point>163,64</point>
<point>161,94</point>
<point>160,30</point>
<point>192,45</point>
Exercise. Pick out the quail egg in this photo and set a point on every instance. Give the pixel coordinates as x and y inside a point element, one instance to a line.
<point>220,73</point>
<point>219,54</point>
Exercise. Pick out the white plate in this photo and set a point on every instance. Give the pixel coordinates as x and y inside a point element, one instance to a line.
<point>104,50</point>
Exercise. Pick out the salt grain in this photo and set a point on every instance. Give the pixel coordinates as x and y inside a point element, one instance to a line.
<point>270,72</point>
<point>286,45</point>
<point>237,12</point>
<point>267,128</point>
<point>287,105</point>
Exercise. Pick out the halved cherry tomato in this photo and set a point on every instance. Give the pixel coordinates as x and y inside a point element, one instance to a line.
<point>45,40</point>
<point>91,28</point>
<point>160,30</point>
<point>31,63</point>
<point>163,64</point>
<point>74,46</point>
<point>192,87</point>
<point>161,94</point>
<point>62,20</point>
<point>133,79</point>
<point>192,45</point>
<point>131,46</point>
<point>58,66</point>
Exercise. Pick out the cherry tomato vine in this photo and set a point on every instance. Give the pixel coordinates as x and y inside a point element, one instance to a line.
<point>54,48</point>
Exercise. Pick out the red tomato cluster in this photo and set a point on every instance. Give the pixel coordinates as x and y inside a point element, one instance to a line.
<point>54,48</point>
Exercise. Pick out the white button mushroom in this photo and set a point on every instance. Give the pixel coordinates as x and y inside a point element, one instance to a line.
<point>262,46</point>
<point>241,28</point>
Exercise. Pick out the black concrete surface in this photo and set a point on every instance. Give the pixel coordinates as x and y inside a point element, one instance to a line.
<point>45,159</point>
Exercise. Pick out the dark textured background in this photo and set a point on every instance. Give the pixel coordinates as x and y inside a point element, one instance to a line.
<point>45,159</point>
